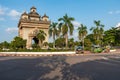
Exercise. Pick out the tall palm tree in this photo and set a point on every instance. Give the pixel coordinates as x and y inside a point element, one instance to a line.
<point>53,31</point>
<point>82,32</point>
<point>98,32</point>
<point>66,27</point>
<point>71,43</point>
<point>41,37</point>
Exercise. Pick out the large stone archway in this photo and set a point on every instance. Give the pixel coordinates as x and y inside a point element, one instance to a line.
<point>31,35</point>
<point>30,23</point>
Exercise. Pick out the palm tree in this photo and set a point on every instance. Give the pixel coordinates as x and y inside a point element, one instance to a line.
<point>71,43</point>
<point>53,31</point>
<point>41,37</point>
<point>98,32</point>
<point>82,32</point>
<point>66,26</point>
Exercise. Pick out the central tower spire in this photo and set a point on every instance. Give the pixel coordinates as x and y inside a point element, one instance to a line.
<point>33,9</point>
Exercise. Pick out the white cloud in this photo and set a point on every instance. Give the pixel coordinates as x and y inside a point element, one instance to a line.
<point>11,30</point>
<point>75,35</point>
<point>114,12</point>
<point>2,10</point>
<point>110,12</point>
<point>76,24</point>
<point>14,14</point>
<point>118,25</point>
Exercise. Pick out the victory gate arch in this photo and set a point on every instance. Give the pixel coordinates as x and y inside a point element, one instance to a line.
<point>30,23</point>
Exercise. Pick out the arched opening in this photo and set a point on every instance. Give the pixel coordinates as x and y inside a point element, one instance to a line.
<point>35,42</point>
<point>33,10</point>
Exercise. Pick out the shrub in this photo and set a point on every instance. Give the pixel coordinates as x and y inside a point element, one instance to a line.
<point>98,50</point>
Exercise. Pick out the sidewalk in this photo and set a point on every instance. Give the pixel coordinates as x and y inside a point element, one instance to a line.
<point>54,53</point>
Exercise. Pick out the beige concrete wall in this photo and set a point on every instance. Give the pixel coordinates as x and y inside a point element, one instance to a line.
<point>35,25</point>
<point>25,17</point>
<point>34,19</point>
<point>25,33</point>
<point>45,19</point>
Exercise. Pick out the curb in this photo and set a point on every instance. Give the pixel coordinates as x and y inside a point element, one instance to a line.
<point>5,54</point>
<point>33,55</point>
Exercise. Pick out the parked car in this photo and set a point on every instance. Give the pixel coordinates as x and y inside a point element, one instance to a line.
<point>79,49</point>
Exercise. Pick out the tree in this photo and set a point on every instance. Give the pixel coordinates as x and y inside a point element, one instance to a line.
<point>82,32</point>
<point>0,46</point>
<point>98,32</point>
<point>66,27</point>
<point>117,37</point>
<point>53,31</point>
<point>4,44</point>
<point>18,43</point>
<point>112,37</point>
<point>60,42</point>
<point>41,37</point>
<point>71,43</point>
<point>50,45</point>
<point>77,43</point>
<point>87,44</point>
<point>90,37</point>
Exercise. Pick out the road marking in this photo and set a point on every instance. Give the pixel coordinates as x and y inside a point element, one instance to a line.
<point>105,58</point>
<point>111,59</point>
<point>107,63</point>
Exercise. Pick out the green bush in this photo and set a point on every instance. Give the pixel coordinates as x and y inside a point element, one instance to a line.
<point>87,48</point>
<point>98,50</point>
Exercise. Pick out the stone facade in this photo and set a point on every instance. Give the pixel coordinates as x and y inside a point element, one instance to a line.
<point>31,22</point>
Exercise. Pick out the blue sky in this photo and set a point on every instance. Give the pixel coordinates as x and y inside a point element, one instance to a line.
<point>84,11</point>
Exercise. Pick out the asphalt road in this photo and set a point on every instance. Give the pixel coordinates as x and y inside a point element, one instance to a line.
<point>88,67</point>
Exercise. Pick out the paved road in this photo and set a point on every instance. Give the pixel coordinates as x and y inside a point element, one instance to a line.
<point>88,67</point>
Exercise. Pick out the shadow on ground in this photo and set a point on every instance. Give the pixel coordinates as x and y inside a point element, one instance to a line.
<point>56,68</point>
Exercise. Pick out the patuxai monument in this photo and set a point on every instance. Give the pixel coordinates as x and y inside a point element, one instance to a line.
<point>30,23</point>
